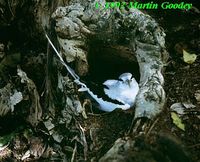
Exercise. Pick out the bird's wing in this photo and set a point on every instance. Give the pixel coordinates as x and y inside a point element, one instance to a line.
<point>106,105</point>
<point>113,94</point>
<point>114,91</point>
<point>123,92</point>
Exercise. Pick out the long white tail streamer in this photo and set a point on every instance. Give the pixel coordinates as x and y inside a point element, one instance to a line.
<point>69,69</point>
<point>104,105</point>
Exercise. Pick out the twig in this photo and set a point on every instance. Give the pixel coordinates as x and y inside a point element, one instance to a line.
<point>195,145</point>
<point>9,6</point>
<point>84,141</point>
<point>74,152</point>
<point>152,126</point>
<point>135,127</point>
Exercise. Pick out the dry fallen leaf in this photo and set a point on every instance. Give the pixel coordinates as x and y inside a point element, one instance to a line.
<point>180,108</point>
<point>177,121</point>
<point>197,96</point>
<point>189,58</point>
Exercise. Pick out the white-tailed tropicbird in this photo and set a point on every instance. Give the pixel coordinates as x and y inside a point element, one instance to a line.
<point>123,90</point>
<point>122,93</point>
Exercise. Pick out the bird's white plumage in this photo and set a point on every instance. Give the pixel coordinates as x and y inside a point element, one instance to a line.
<point>124,90</point>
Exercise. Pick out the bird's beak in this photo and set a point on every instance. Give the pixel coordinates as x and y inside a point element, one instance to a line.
<point>129,83</point>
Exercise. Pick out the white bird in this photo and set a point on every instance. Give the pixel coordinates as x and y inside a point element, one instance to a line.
<point>121,93</point>
<point>123,90</point>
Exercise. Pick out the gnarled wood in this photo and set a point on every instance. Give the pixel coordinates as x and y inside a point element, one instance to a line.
<point>75,25</point>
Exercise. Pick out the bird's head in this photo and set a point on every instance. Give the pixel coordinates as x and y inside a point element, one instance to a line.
<point>126,78</point>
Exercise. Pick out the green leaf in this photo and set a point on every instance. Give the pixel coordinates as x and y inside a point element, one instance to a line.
<point>189,58</point>
<point>177,121</point>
